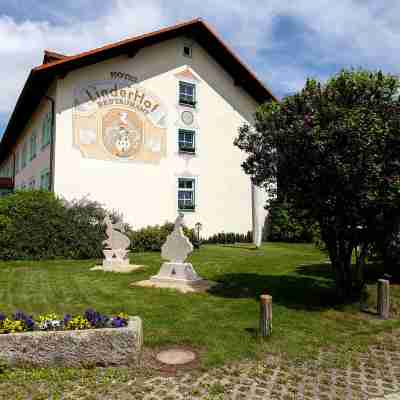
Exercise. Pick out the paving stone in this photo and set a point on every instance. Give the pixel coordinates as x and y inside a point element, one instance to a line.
<point>367,377</point>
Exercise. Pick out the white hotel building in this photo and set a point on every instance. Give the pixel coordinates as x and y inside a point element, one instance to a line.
<point>144,126</point>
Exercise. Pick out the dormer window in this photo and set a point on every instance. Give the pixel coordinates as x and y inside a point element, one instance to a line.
<point>187,94</point>
<point>187,51</point>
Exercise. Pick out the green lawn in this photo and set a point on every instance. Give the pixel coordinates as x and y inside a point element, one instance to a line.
<point>222,324</point>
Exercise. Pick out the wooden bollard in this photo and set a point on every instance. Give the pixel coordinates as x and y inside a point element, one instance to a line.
<point>265,315</point>
<point>383,303</point>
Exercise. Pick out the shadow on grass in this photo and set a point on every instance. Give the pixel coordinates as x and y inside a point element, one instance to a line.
<point>292,291</point>
<point>323,270</point>
<point>372,272</point>
<point>241,247</point>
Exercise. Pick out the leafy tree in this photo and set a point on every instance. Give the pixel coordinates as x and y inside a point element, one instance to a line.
<point>285,225</point>
<point>329,148</point>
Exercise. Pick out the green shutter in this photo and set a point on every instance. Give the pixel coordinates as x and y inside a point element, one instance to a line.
<point>45,180</point>
<point>46,127</point>
<point>23,156</point>
<point>16,162</point>
<point>33,146</point>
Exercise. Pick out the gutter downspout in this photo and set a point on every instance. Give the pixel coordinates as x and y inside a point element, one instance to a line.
<point>51,167</point>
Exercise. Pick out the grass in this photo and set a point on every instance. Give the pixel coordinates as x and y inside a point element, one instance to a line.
<point>223,323</point>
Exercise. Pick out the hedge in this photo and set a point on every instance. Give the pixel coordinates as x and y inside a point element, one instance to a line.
<point>151,238</point>
<point>39,225</point>
<point>229,238</point>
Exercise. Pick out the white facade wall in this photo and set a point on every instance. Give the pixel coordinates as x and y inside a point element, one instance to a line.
<point>146,193</point>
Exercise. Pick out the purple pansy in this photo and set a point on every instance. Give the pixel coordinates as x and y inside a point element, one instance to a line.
<point>96,319</point>
<point>27,320</point>
<point>118,322</point>
<point>66,319</point>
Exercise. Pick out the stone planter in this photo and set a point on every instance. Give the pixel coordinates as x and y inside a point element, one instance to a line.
<point>80,348</point>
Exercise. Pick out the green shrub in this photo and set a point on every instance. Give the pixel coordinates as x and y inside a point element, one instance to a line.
<point>38,225</point>
<point>151,238</point>
<point>286,227</point>
<point>229,238</point>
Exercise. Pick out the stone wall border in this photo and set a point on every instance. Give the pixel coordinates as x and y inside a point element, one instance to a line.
<point>75,348</point>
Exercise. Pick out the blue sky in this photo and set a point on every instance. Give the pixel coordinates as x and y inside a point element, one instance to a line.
<point>283,41</point>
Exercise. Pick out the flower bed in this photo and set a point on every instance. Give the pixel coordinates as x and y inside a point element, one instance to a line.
<point>20,322</point>
<point>72,341</point>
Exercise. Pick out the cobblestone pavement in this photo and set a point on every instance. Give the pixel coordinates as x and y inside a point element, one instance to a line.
<point>373,375</point>
<point>370,375</point>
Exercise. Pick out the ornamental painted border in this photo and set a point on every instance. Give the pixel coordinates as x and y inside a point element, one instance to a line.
<point>77,348</point>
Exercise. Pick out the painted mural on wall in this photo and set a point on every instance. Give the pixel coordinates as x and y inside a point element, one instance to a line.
<point>117,119</point>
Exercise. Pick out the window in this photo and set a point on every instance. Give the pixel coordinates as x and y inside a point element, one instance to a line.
<point>187,94</point>
<point>187,51</point>
<point>45,180</point>
<point>46,130</point>
<point>186,194</point>
<point>186,141</point>
<point>24,155</point>
<point>33,146</point>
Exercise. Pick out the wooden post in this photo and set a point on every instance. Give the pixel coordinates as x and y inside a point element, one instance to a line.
<point>383,304</point>
<point>265,315</point>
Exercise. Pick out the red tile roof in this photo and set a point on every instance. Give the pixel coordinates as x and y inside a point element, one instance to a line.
<point>50,56</point>
<point>56,65</point>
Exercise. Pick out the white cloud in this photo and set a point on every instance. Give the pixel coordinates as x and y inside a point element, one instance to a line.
<point>344,32</point>
<point>26,40</point>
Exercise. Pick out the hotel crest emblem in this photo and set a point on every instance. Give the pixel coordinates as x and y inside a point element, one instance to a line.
<point>119,120</point>
<point>120,135</point>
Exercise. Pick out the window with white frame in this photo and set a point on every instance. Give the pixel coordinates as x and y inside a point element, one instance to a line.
<point>186,194</point>
<point>187,93</point>
<point>186,141</point>
<point>45,180</point>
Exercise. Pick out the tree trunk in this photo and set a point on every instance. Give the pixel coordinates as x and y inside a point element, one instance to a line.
<point>360,267</point>
<point>340,251</point>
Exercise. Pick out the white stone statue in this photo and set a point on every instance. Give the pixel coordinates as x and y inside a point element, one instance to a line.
<point>176,249</point>
<point>177,246</point>
<point>115,232</point>
<point>116,249</point>
<point>116,243</point>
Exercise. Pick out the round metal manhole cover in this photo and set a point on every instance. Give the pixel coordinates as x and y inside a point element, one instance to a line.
<point>176,356</point>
